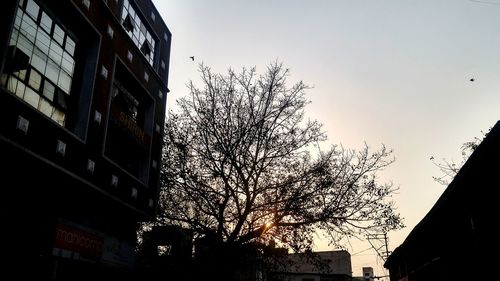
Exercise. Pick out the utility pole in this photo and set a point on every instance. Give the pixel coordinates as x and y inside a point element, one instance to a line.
<point>386,246</point>
<point>379,249</point>
<point>382,237</point>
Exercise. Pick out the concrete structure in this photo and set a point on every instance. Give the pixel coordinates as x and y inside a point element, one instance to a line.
<point>368,273</point>
<point>83,87</point>
<point>322,266</point>
<point>454,240</point>
<point>166,251</point>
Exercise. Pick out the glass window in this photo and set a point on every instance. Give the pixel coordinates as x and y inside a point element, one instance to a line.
<point>64,82</point>
<point>13,38</point>
<point>58,116</point>
<point>68,64</point>
<point>52,71</point>
<point>25,45</point>
<point>17,21</point>
<point>48,90</point>
<point>28,28</point>
<point>46,108</point>
<point>46,22</point>
<point>31,97</point>
<point>35,80</point>
<point>131,122</point>
<point>46,82</point>
<point>20,74</point>
<point>20,89</point>
<point>12,84</point>
<point>55,53</point>
<point>128,24</point>
<point>42,41</point>
<point>132,13</point>
<point>32,9</point>
<point>58,34</point>
<point>39,60</point>
<point>125,101</point>
<point>138,31</point>
<point>70,46</point>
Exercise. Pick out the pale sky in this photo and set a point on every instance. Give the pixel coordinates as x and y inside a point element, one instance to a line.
<point>395,72</point>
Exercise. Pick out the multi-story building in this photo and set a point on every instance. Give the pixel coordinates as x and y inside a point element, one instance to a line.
<point>83,87</point>
<point>166,250</point>
<point>320,266</point>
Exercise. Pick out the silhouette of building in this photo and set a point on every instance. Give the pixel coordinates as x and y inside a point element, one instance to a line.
<point>220,261</point>
<point>320,266</point>
<point>166,251</point>
<point>453,240</point>
<point>83,87</point>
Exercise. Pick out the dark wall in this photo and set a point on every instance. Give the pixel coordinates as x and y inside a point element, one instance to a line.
<point>454,239</point>
<point>40,185</point>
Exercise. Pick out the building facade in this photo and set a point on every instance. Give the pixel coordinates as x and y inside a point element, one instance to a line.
<point>320,266</point>
<point>368,273</point>
<point>166,251</point>
<point>454,239</point>
<point>83,87</point>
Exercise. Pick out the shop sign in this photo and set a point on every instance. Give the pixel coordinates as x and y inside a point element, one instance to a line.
<point>81,242</point>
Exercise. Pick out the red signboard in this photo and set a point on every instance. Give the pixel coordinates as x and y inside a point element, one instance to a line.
<point>86,244</point>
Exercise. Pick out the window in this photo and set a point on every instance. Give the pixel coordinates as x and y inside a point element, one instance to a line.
<point>124,101</point>
<point>164,250</point>
<point>138,31</point>
<point>45,78</point>
<point>130,124</point>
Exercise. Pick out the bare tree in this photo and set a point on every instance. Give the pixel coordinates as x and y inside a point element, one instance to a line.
<point>241,163</point>
<point>449,168</point>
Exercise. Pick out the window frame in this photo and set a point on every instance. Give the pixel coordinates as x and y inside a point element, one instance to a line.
<point>31,28</point>
<point>135,136</point>
<point>139,29</point>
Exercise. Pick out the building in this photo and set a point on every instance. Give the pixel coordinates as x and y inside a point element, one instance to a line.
<point>454,240</point>
<point>368,273</point>
<point>320,266</point>
<point>83,87</point>
<point>166,250</point>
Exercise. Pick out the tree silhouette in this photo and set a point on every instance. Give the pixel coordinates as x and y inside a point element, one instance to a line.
<point>449,168</point>
<point>242,164</point>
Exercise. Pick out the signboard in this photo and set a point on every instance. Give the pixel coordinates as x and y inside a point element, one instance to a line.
<point>77,241</point>
<point>126,122</point>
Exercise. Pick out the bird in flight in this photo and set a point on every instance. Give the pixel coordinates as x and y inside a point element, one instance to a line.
<point>192,58</point>
<point>472,79</point>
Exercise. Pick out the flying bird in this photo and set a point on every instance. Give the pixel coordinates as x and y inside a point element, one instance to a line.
<point>192,58</point>
<point>472,79</point>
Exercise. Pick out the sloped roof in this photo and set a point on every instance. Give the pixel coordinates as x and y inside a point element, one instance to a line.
<point>459,191</point>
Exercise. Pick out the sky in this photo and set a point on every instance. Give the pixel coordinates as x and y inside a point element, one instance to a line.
<point>392,72</point>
